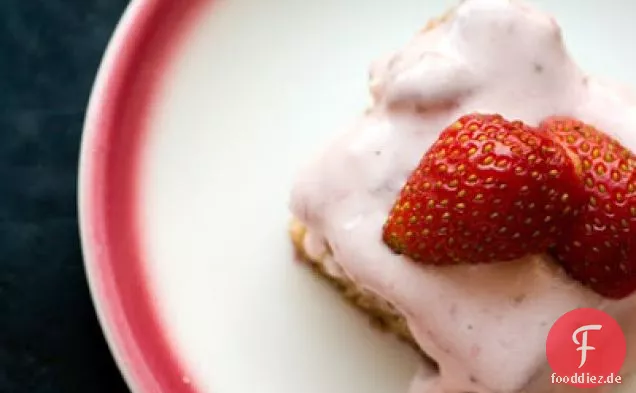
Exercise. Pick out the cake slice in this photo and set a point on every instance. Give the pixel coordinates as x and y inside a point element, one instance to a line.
<point>484,326</point>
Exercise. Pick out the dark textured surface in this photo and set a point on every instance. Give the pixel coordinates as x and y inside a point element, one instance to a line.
<point>49,337</point>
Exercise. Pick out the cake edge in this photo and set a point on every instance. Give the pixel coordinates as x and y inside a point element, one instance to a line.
<point>382,315</point>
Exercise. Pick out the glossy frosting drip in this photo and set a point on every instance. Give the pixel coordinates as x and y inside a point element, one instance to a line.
<point>485,325</point>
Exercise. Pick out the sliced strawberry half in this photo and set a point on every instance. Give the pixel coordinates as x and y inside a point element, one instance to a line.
<point>487,190</point>
<point>599,250</point>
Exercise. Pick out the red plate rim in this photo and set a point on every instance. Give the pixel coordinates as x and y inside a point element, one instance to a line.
<point>136,58</point>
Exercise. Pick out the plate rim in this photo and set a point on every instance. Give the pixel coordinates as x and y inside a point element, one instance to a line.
<point>148,29</point>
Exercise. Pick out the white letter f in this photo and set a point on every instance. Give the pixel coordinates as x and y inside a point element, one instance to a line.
<point>583,346</point>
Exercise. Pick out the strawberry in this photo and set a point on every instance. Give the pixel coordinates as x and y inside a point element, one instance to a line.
<point>599,250</point>
<point>487,190</point>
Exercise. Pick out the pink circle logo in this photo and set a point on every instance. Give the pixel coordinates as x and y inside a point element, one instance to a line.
<point>586,348</point>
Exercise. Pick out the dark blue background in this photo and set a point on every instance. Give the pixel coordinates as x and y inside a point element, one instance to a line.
<point>49,337</point>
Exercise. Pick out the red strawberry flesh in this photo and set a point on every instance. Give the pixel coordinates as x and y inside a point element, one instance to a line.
<point>599,249</point>
<point>488,190</point>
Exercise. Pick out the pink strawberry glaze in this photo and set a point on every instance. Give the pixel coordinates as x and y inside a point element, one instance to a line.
<point>486,326</point>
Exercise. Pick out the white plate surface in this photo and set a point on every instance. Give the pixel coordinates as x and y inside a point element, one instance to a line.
<point>252,90</point>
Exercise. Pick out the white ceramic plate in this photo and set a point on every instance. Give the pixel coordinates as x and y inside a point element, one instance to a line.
<point>201,114</point>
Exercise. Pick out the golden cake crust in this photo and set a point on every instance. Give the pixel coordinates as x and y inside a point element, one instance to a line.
<point>381,313</point>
